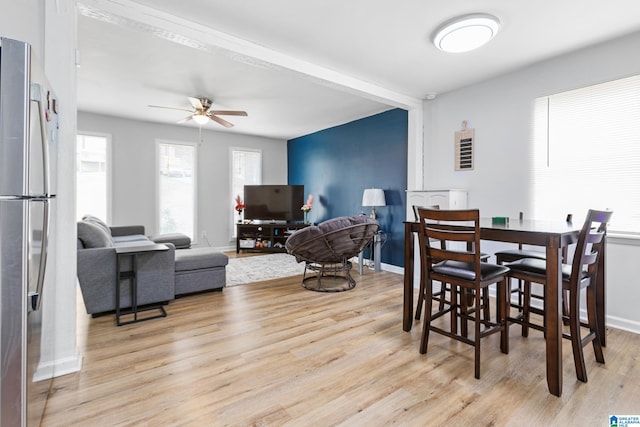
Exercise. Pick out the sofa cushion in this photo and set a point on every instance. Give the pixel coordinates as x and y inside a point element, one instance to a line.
<point>179,240</point>
<point>97,221</point>
<point>134,243</point>
<point>199,258</point>
<point>93,236</point>
<point>130,238</point>
<point>127,230</point>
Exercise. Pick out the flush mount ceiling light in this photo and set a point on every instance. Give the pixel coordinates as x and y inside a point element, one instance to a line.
<point>466,33</point>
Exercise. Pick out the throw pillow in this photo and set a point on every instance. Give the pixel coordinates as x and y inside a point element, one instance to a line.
<point>97,221</point>
<point>93,236</point>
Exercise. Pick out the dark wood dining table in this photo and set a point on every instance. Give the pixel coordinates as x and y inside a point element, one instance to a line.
<point>553,235</point>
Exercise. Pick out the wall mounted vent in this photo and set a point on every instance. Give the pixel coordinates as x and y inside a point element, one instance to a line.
<point>464,148</point>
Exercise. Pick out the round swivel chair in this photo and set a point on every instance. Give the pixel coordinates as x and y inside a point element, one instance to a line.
<point>327,248</point>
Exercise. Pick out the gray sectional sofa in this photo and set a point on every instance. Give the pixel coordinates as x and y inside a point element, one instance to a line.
<point>162,276</point>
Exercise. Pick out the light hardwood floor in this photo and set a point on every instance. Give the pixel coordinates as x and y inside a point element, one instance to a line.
<point>272,354</point>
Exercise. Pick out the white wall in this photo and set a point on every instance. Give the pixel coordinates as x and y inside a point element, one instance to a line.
<point>50,29</point>
<point>25,22</point>
<point>134,169</point>
<point>501,112</point>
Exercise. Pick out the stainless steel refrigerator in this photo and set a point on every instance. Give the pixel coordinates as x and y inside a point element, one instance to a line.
<point>28,141</point>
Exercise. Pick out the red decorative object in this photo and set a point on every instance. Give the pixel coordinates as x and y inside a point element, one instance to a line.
<point>240,206</point>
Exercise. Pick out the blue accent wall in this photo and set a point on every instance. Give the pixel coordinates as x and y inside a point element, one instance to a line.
<point>337,164</point>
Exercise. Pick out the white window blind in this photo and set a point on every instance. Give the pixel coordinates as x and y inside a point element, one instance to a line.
<point>176,181</point>
<point>246,169</point>
<point>587,153</point>
<point>93,176</point>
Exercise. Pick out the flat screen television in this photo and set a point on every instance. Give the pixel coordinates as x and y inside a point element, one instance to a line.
<point>274,202</point>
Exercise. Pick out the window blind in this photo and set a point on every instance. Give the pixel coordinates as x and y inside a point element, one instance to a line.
<point>587,153</point>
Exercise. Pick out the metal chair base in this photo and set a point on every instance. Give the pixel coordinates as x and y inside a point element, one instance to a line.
<point>336,276</point>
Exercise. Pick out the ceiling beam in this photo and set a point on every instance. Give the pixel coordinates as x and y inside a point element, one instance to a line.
<point>139,17</point>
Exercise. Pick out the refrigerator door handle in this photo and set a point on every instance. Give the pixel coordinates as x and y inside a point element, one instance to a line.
<point>36,96</point>
<point>36,298</point>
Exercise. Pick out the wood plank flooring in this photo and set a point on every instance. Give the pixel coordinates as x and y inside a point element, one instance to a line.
<point>273,354</point>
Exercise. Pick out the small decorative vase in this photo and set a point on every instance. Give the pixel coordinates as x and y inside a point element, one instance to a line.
<point>306,217</point>
<point>239,217</point>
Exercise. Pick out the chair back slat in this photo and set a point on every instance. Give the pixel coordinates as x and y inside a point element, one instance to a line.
<point>449,235</point>
<point>441,233</point>
<point>589,247</point>
<point>440,254</point>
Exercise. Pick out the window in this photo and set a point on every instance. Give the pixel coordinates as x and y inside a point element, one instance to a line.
<point>93,183</point>
<point>587,152</point>
<point>176,188</point>
<point>246,169</point>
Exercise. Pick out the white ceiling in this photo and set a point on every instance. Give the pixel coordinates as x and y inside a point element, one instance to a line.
<point>299,66</point>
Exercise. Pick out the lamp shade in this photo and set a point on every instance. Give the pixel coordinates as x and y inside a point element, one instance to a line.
<point>373,197</point>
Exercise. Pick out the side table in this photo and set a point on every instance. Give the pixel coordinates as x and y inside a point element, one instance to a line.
<point>131,275</point>
<point>377,245</point>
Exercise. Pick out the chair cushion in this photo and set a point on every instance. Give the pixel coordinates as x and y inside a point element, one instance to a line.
<point>304,243</point>
<point>516,254</point>
<point>93,236</point>
<point>466,270</point>
<point>343,222</point>
<point>333,240</point>
<point>537,266</point>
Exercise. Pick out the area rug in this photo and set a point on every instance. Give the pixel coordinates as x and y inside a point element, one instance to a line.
<point>262,267</point>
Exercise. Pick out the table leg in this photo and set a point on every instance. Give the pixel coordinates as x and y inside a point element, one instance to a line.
<point>407,307</point>
<point>377,246</point>
<point>502,312</point>
<point>553,317</point>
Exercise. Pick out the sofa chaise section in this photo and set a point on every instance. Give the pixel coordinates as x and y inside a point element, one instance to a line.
<point>200,269</point>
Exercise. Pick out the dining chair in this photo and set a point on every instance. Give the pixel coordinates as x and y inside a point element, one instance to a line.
<point>441,294</point>
<point>450,253</point>
<point>580,275</point>
<point>511,255</point>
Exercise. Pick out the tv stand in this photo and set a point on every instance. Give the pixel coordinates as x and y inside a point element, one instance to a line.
<point>265,236</point>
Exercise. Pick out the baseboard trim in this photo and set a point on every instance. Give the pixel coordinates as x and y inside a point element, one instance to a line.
<point>391,268</point>
<point>58,367</point>
<point>623,324</point>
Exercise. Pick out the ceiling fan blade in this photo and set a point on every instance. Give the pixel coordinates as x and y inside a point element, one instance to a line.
<point>168,108</point>
<point>186,119</point>
<point>223,122</point>
<point>229,113</point>
<point>196,103</point>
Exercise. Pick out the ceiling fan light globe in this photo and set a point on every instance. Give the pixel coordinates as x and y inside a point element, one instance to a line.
<point>201,119</point>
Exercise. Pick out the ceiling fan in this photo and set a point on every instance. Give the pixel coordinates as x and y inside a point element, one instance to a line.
<point>201,112</point>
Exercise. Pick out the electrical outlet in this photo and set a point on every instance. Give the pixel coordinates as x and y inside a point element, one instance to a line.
<point>204,234</point>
